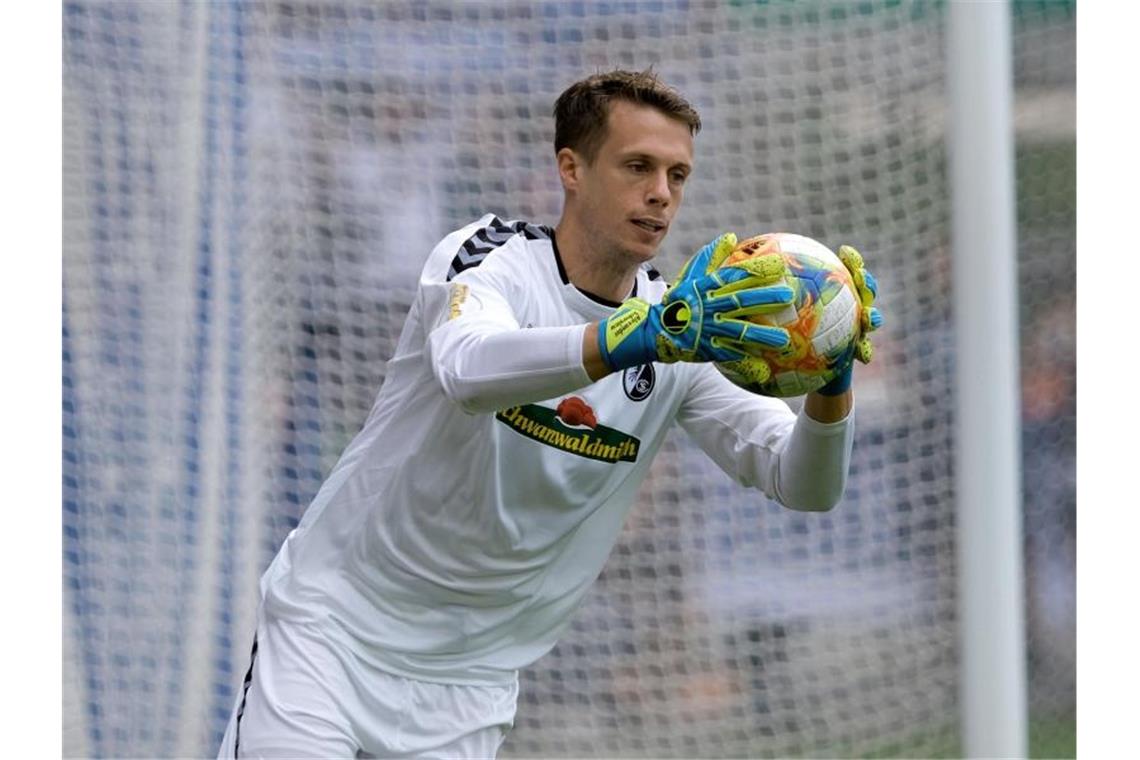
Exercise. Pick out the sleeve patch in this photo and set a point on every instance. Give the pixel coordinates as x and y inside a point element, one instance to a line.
<point>456,296</point>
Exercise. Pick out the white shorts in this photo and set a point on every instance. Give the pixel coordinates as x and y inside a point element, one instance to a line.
<point>305,697</point>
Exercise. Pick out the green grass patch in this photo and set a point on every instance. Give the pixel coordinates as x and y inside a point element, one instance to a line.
<point>1053,737</point>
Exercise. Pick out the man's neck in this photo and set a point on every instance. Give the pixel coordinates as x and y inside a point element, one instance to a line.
<point>597,272</point>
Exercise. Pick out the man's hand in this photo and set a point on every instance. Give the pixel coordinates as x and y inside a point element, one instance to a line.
<point>869,320</point>
<point>701,317</point>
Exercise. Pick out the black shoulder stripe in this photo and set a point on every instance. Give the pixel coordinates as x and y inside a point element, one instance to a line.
<point>536,231</point>
<point>651,272</point>
<point>486,239</point>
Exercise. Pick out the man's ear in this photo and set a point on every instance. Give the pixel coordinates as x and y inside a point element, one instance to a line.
<point>569,168</point>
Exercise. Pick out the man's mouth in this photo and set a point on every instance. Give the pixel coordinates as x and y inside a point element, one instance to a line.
<point>650,225</point>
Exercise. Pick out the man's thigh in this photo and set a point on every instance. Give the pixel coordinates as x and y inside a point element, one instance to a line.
<point>294,702</point>
<point>306,697</point>
<point>438,720</point>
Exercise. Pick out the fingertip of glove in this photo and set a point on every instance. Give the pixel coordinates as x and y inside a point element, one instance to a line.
<point>871,283</point>
<point>753,369</point>
<point>769,267</point>
<point>850,257</point>
<point>864,351</point>
<point>722,249</point>
<point>778,337</point>
<point>763,373</point>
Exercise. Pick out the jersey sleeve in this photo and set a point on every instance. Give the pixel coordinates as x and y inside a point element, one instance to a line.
<point>482,357</point>
<point>761,443</point>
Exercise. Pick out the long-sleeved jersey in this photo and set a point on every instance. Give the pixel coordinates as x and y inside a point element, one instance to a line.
<point>465,522</point>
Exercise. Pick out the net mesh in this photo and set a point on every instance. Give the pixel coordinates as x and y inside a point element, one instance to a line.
<point>249,191</point>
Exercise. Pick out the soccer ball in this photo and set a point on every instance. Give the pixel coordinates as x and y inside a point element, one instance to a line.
<point>823,322</point>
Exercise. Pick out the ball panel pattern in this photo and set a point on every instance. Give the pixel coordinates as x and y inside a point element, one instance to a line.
<point>822,325</point>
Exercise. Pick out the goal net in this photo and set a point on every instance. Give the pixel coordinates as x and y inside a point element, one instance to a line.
<point>250,189</point>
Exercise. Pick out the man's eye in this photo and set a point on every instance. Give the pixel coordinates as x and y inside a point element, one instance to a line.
<point>680,177</point>
<point>637,166</point>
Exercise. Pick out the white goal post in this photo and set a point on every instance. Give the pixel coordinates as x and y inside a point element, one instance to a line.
<point>991,599</point>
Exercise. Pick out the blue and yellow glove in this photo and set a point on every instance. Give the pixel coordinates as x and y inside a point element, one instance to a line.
<point>700,318</point>
<point>869,320</point>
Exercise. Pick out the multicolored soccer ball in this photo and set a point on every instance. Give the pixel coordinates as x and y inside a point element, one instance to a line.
<point>823,323</point>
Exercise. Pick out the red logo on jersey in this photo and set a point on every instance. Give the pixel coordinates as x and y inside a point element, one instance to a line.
<point>575,411</point>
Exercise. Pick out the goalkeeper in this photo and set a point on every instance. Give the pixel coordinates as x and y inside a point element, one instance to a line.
<point>535,379</point>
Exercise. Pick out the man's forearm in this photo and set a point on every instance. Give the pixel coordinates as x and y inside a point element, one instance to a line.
<point>828,408</point>
<point>484,369</point>
<point>592,360</point>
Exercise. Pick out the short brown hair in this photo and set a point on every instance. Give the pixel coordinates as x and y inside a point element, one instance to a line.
<point>581,110</point>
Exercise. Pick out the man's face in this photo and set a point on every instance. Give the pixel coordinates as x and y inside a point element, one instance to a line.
<point>630,194</point>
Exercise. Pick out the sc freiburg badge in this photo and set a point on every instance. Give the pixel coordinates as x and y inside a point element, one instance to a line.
<point>638,382</point>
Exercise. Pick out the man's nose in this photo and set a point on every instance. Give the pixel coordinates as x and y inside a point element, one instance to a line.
<point>658,191</point>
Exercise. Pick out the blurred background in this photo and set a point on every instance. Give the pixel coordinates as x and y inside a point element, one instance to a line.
<point>250,189</point>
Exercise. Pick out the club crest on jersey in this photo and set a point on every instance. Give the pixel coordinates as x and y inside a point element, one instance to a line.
<point>638,382</point>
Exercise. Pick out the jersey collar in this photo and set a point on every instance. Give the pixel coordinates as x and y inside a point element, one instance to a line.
<point>567,285</point>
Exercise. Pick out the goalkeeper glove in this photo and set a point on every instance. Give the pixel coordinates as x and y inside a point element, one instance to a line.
<point>701,316</point>
<point>869,320</point>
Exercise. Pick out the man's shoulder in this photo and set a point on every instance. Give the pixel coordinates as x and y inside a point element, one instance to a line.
<point>471,245</point>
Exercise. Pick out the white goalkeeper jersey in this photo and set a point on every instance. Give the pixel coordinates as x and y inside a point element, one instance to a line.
<point>465,522</point>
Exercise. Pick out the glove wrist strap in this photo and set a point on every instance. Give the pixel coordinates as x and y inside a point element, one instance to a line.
<point>621,339</point>
<point>839,385</point>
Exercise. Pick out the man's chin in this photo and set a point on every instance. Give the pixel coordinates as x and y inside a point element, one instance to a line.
<point>643,251</point>
<point>639,254</point>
